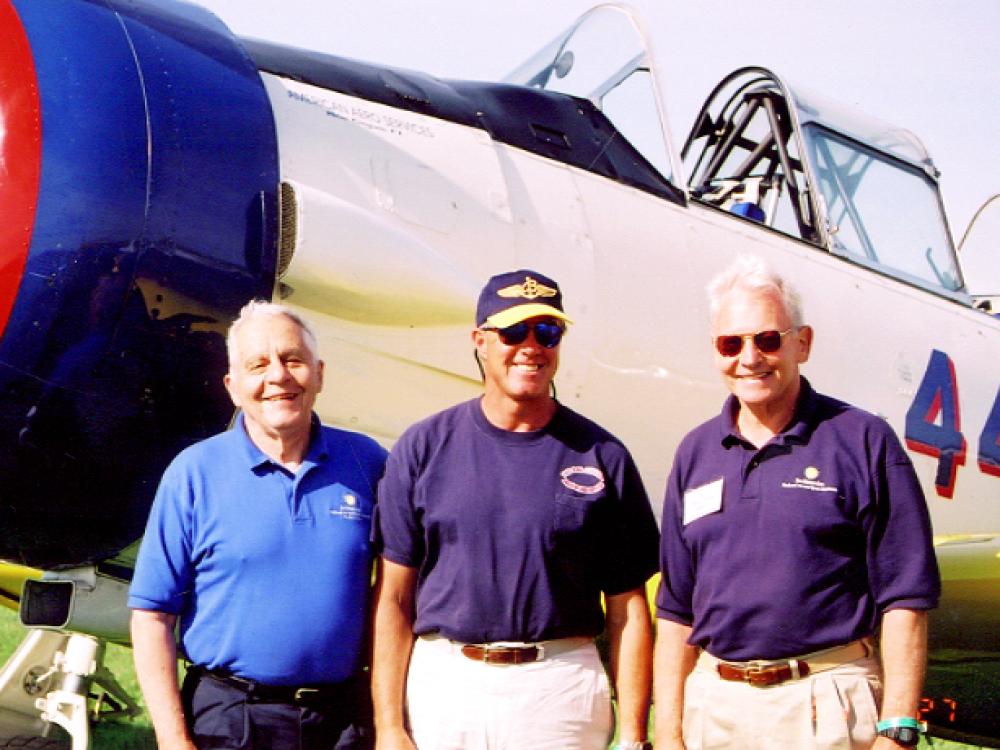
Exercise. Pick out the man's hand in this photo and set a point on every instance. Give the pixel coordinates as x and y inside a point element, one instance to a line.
<point>884,743</point>
<point>155,653</point>
<point>392,642</point>
<point>393,739</point>
<point>630,636</point>
<point>673,660</point>
<point>903,646</point>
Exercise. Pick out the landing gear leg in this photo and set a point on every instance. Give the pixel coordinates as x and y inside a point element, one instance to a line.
<point>47,681</point>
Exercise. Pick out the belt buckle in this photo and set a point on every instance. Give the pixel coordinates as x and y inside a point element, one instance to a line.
<point>515,651</point>
<point>755,673</point>
<point>767,673</point>
<point>303,693</point>
<point>489,650</point>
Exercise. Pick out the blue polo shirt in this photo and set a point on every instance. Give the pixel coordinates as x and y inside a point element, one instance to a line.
<point>800,545</point>
<point>269,572</point>
<point>514,535</point>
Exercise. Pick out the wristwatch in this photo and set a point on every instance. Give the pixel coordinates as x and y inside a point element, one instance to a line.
<point>636,745</point>
<point>905,731</point>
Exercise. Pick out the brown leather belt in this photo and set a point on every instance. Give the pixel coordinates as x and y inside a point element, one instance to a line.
<point>503,654</point>
<point>767,673</point>
<point>763,676</point>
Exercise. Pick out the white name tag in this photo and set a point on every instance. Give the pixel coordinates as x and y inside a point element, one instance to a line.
<point>702,500</point>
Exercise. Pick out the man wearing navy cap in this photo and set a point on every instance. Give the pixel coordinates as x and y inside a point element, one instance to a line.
<point>794,529</point>
<point>501,522</point>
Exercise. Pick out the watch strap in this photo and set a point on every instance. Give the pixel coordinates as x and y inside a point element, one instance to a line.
<point>901,721</point>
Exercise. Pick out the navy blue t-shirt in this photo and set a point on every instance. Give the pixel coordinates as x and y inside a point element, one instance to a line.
<point>797,546</point>
<point>514,534</point>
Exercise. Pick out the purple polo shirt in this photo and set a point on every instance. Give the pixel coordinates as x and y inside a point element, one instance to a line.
<point>800,545</point>
<point>514,535</point>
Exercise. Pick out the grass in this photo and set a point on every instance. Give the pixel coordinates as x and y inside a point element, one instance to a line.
<point>137,734</point>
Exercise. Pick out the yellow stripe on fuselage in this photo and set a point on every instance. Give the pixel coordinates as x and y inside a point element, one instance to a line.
<point>12,578</point>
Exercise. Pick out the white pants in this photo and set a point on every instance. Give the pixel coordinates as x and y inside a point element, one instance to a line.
<point>562,702</point>
<point>836,709</point>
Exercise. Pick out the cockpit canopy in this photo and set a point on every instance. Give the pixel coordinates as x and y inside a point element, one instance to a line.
<point>604,57</point>
<point>785,159</point>
<point>860,188</point>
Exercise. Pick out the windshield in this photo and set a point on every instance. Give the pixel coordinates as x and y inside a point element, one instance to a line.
<point>882,211</point>
<point>604,58</point>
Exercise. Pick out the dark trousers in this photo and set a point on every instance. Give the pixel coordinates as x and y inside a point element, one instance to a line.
<point>223,715</point>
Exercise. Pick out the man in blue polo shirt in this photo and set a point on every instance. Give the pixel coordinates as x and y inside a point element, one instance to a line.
<point>258,544</point>
<point>500,523</point>
<point>794,530</point>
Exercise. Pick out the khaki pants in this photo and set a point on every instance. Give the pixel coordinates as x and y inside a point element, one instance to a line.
<point>561,702</point>
<point>836,709</point>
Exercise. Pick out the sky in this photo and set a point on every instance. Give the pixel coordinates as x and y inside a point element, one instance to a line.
<point>926,65</point>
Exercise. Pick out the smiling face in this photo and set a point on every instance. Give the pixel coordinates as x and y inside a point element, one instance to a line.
<point>519,373</point>
<point>274,378</point>
<point>761,382</point>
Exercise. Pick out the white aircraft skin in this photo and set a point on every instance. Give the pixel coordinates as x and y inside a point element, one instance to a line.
<point>398,228</point>
<point>394,218</point>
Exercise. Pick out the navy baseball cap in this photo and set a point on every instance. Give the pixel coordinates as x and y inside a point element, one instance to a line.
<point>509,298</point>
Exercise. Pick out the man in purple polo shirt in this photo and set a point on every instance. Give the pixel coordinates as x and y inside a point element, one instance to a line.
<point>794,530</point>
<point>501,522</point>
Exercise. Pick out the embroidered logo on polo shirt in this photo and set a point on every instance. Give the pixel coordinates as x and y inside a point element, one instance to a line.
<point>809,481</point>
<point>350,509</point>
<point>587,480</point>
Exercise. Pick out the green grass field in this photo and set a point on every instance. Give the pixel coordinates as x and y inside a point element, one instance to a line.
<point>136,734</point>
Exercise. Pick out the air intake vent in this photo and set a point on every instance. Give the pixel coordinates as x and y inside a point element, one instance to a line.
<point>289,228</point>
<point>46,604</point>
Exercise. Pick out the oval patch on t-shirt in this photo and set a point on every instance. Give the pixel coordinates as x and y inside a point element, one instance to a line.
<point>587,480</point>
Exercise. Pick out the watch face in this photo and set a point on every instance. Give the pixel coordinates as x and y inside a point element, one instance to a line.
<point>905,736</point>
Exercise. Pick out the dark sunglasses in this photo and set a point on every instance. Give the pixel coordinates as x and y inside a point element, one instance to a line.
<point>546,334</point>
<point>767,342</point>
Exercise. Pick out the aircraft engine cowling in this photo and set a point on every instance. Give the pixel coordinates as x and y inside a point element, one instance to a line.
<point>138,175</point>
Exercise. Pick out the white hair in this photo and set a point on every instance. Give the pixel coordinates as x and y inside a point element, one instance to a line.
<point>751,273</point>
<point>261,309</point>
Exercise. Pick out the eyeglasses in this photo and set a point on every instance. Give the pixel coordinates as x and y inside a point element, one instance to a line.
<point>767,342</point>
<point>546,334</point>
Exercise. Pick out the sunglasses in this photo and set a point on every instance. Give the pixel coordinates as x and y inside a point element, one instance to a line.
<point>767,342</point>
<point>547,335</point>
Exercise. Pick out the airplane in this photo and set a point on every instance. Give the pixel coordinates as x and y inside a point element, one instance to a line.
<point>157,172</point>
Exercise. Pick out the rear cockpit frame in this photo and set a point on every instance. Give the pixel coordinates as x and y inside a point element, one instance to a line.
<point>813,170</point>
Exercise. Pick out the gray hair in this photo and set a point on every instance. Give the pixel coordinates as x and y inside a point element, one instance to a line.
<point>751,273</point>
<point>261,309</point>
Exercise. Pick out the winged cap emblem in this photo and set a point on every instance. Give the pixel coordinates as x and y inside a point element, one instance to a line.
<point>529,289</point>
